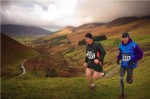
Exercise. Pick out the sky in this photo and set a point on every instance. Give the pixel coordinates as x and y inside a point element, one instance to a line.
<point>56,14</point>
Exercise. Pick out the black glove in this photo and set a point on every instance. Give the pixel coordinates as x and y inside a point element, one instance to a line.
<point>131,62</point>
<point>118,61</point>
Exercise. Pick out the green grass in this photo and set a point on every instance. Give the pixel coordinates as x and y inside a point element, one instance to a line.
<point>141,35</point>
<point>141,85</point>
<point>30,87</point>
<point>73,56</point>
<point>141,38</point>
<point>111,42</point>
<point>55,88</point>
<point>24,38</point>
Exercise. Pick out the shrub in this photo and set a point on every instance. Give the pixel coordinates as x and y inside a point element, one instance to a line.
<point>95,38</point>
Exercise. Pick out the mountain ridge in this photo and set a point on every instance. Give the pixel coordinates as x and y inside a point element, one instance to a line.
<point>13,30</point>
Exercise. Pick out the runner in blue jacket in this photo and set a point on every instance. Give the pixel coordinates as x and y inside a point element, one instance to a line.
<point>129,54</point>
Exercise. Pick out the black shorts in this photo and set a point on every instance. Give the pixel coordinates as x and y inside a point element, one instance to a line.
<point>94,66</point>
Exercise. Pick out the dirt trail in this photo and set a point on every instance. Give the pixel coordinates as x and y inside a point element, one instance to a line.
<point>113,71</point>
<point>23,68</point>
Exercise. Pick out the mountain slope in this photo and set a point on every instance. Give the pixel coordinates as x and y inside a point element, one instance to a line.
<point>15,30</point>
<point>33,87</point>
<point>121,21</point>
<point>87,27</point>
<point>30,86</point>
<point>66,30</point>
<point>12,54</point>
<point>75,37</point>
<point>81,28</point>
<point>125,20</point>
<point>77,88</point>
<point>115,27</point>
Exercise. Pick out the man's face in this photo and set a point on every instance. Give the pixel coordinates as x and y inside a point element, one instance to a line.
<point>88,40</point>
<point>125,40</point>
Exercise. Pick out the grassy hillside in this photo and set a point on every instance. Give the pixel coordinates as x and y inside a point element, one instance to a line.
<point>39,87</point>
<point>76,88</point>
<point>34,85</point>
<point>140,35</point>
<point>13,53</point>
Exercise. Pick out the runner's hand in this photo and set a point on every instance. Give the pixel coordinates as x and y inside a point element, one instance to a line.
<point>118,62</point>
<point>85,64</point>
<point>96,61</point>
<point>131,62</point>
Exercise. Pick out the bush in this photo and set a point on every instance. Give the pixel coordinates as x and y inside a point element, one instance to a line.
<point>95,38</point>
<point>100,38</point>
<point>82,42</point>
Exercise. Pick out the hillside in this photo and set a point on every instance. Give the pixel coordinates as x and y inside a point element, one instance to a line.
<point>87,27</point>
<point>77,33</point>
<point>12,55</point>
<point>15,30</point>
<point>63,45</point>
<point>121,21</point>
<point>76,88</point>
<point>108,31</point>
<point>24,34</point>
<point>115,27</point>
<point>39,87</point>
<point>66,30</point>
<point>66,44</point>
<point>67,59</point>
<point>81,28</point>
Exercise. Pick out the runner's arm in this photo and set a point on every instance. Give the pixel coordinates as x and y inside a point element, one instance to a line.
<point>119,57</point>
<point>138,53</point>
<point>102,52</point>
<point>86,58</point>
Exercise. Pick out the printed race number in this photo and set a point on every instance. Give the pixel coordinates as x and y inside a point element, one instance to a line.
<point>126,57</point>
<point>90,55</point>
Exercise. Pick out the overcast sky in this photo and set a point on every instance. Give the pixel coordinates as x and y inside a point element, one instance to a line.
<point>55,14</point>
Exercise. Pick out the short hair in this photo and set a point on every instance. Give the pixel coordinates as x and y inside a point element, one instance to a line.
<point>89,35</point>
<point>125,34</point>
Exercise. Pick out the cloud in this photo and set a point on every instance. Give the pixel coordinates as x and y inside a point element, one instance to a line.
<point>54,14</point>
<point>105,11</point>
<point>45,13</point>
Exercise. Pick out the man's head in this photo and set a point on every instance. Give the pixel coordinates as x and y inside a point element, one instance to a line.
<point>88,38</point>
<point>125,37</point>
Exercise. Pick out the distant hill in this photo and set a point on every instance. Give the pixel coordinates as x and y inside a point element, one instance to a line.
<point>91,26</point>
<point>121,21</point>
<point>12,55</point>
<point>113,28</point>
<point>66,30</point>
<point>15,30</point>
<point>81,28</point>
<point>125,20</point>
<point>88,26</point>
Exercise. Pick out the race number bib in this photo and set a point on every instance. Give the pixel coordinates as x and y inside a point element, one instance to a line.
<point>90,55</point>
<point>126,57</point>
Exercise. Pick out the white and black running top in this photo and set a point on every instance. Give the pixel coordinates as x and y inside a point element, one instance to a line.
<point>91,52</point>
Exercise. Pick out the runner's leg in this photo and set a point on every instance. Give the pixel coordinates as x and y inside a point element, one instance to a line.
<point>89,75</point>
<point>122,73</point>
<point>129,78</point>
<point>97,75</point>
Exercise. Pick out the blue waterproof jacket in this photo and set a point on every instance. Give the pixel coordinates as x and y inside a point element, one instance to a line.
<point>128,54</point>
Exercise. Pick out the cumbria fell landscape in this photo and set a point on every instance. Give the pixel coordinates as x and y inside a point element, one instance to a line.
<point>54,61</point>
